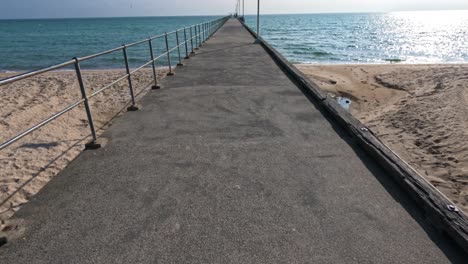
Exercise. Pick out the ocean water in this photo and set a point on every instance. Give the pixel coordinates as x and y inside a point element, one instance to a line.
<point>407,37</point>
<point>34,44</point>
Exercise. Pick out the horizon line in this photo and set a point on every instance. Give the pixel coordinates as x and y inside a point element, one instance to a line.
<point>253,14</point>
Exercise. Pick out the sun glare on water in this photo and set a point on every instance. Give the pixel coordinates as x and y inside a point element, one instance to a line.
<point>429,34</point>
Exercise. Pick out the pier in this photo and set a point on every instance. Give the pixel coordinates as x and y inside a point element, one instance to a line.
<point>229,162</point>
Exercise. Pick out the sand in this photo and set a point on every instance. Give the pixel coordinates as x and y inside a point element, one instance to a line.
<point>419,111</point>
<point>28,165</point>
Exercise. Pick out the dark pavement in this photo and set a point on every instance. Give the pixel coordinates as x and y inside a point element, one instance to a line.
<point>228,163</point>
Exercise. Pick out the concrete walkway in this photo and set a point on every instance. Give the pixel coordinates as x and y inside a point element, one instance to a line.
<point>229,163</point>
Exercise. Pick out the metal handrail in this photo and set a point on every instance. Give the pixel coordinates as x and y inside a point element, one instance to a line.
<point>34,73</point>
<point>203,31</point>
<point>97,55</point>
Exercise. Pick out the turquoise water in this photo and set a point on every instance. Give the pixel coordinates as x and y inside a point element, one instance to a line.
<point>33,44</point>
<point>412,37</point>
<point>409,37</point>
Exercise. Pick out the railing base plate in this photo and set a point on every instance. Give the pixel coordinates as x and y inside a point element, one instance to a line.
<point>92,145</point>
<point>170,74</point>
<point>155,87</point>
<point>133,108</point>
<point>180,64</point>
<point>187,58</point>
<point>3,241</point>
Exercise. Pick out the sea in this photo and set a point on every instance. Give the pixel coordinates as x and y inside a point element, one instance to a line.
<point>399,37</point>
<point>30,44</point>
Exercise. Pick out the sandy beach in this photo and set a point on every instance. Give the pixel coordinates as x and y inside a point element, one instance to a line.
<point>31,163</point>
<point>419,111</point>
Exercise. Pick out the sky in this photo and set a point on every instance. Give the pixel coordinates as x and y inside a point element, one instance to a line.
<point>11,9</point>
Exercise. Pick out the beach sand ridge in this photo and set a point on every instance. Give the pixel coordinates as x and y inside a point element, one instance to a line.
<point>419,111</point>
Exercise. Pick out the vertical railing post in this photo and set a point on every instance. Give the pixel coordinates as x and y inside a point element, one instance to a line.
<point>191,40</point>
<point>243,11</point>
<point>178,49</point>
<point>199,35</point>
<point>93,144</point>
<point>196,37</point>
<point>204,32</point>
<point>200,27</point>
<point>170,73</point>
<point>155,86</point>
<point>203,35</point>
<point>209,29</point>
<point>258,19</point>
<point>186,44</point>
<point>133,107</point>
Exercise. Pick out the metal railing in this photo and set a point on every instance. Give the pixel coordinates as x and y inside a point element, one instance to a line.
<point>193,37</point>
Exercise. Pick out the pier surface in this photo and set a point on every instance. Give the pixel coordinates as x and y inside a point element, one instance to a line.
<point>228,163</point>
